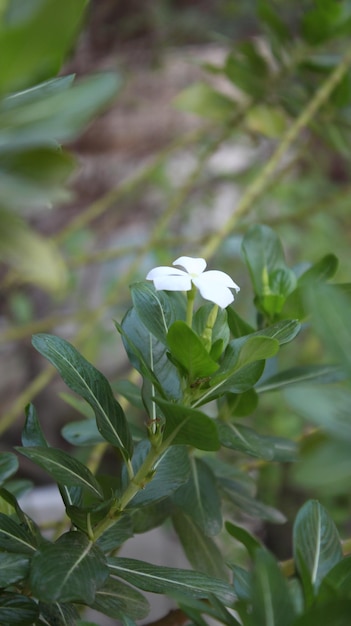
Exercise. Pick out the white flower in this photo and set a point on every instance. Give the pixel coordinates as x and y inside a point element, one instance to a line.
<point>213,285</point>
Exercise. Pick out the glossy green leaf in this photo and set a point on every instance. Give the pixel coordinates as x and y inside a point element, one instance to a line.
<point>32,434</point>
<point>63,468</point>
<point>188,426</point>
<point>171,471</point>
<point>72,569</point>
<point>17,610</point>
<point>248,441</point>
<point>34,40</point>
<point>8,466</point>
<point>205,101</point>
<point>326,407</point>
<point>116,598</point>
<point>271,602</point>
<point>199,498</point>
<point>201,550</point>
<point>88,382</point>
<point>316,544</point>
<point>243,536</point>
<point>159,579</point>
<point>154,309</point>
<point>13,568</point>
<point>187,348</point>
<point>303,374</point>
<point>14,538</point>
<point>239,382</point>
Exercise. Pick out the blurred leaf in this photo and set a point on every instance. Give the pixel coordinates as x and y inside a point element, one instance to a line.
<point>271,602</point>
<point>130,391</point>
<point>199,498</point>
<point>187,348</point>
<point>337,582</point>
<point>315,471</point>
<point>205,101</point>
<point>297,375</point>
<point>267,120</point>
<point>58,613</point>
<point>320,271</point>
<point>17,610</point>
<point>272,20</point>
<point>82,433</point>
<point>241,404</point>
<point>200,549</point>
<point>336,613</point>
<point>159,579</point>
<point>188,426</point>
<point>316,544</point>
<point>63,468</point>
<point>243,501</point>
<point>327,407</point>
<point>88,382</point>
<point>238,327</point>
<point>34,38</point>
<point>243,536</point>
<point>8,466</point>
<point>34,258</point>
<point>242,582</point>
<point>72,569</point>
<point>116,598</point>
<point>248,441</point>
<point>14,538</point>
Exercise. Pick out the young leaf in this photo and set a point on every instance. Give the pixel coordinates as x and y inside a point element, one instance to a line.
<point>116,598</point>
<point>159,579</point>
<point>89,383</point>
<point>317,546</point>
<point>188,426</point>
<point>72,569</point>
<point>187,348</point>
<point>63,468</point>
<point>199,498</point>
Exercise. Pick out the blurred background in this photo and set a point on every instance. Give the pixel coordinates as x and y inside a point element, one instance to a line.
<point>187,121</point>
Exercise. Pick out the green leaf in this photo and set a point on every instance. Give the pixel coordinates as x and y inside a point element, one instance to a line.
<point>282,331</point>
<point>130,391</point>
<point>14,538</point>
<point>116,598</point>
<point>159,579</point>
<point>35,39</point>
<point>8,466</point>
<point>63,468</point>
<point>263,254</point>
<point>220,330</point>
<point>116,535</point>
<point>242,582</point>
<point>82,433</point>
<point>336,613</point>
<point>243,536</point>
<point>32,434</point>
<point>297,375</point>
<point>327,407</point>
<point>243,501</point>
<point>314,471</point>
<point>321,271</point>
<point>199,498</point>
<point>239,382</point>
<point>187,348</point>
<point>271,602</point>
<point>188,426</point>
<point>154,309</point>
<point>13,568</point>
<point>238,327</point>
<point>88,382</point>
<point>59,614</point>
<point>316,543</point>
<point>17,610</point>
<point>248,441</point>
<point>241,404</point>
<point>200,549</point>
<point>205,101</point>
<point>172,470</point>
<point>337,582</point>
<point>72,569</point>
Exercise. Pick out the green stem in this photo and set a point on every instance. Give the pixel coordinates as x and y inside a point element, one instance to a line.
<point>190,305</point>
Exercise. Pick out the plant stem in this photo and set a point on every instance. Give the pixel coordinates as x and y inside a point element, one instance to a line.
<point>190,305</point>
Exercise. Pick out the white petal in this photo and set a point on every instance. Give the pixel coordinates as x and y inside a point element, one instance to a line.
<point>164,271</point>
<point>213,291</point>
<point>173,283</point>
<point>191,265</point>
<point>222,278</point>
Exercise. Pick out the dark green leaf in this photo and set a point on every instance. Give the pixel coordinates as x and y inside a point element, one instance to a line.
<point>72,569</point>
<point>242,582</point>
<point>271,602</point>
<point>159,579</point>
<point>241,534</point>
<point>13,567</point>
<point>59,614</point>
<point>243,501</point>
<point>8,466</point>
<point>82,433</point>
<point>337,582</point>
<point>335,613</point>
<point>116,534</point>
<point>317,546</point>
<point>17,610</point>
<point>187,348</point>
<point>188,426</point>
<point>199,498</point>
<point>32,434</point>
<point>14,538</point>
<point>241,404</point>
<point>154,309</point>
<point>64,468</point>
<point>89,383</point>
<point>238,327</point>
<point>116,598</point>
<point>238,437</point>
<point>200,549</point>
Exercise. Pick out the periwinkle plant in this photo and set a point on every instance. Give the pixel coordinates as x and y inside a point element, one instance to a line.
<point>200,369</point>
